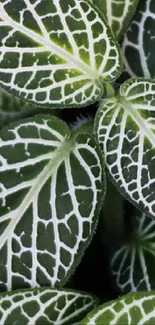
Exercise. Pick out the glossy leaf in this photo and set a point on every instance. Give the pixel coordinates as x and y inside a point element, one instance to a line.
<point>138,45</point>
<point>51,190</point>
<point>117,13</point>
<point>56,53</point>
<point>125,129</point>
<point>44,306</point>
<point>133,262</point>
<point>133,309</point>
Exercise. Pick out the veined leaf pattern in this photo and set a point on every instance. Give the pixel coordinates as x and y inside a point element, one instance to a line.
<point>118,13</point>
<point>132,263</point>
<point>56,53</point>
<point>44,306</point>
<point>125,129</point>
<point>51,190</point>
<point>138,45</point>
<point>132,309</point>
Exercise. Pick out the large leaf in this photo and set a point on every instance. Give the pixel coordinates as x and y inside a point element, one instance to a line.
<point>117,13</point>
<point>138,45</point>
<point>50,193</point>
<point>125,129</point>
<point>133,262</point>
<point>44,306</point>
<point>56,53</point>
<point>133,309</point>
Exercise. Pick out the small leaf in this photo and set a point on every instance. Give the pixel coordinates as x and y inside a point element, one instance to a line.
<point>117,13</point>
<point>125,130</point>
<point>56,53</point>
<point>13,108</point>
<point>112,216</point>
<point>133,309</point>
<point>9,111</point>
<point>132,263</point>
<point>51,191</point>
<point>44,306</point>
<point>11,104</point>
<point>138,46</point>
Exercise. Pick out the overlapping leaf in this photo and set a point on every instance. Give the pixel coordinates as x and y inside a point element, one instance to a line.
<point>11,104</point>
<point>9,109</point>
<point>12,108</point>
<point>44,306</point>
<point>56,53</point>
<point>138,45</point>
<point>51,189</point>
<point>118,13</point>
<point>133,263</point>
<point>133,309</point>
<point>125,129</point>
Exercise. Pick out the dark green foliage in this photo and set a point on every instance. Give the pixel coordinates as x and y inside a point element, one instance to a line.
<point>79,172</point>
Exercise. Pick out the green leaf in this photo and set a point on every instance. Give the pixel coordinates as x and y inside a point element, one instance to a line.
<point>112,216</point>
<point>11,104</point>
<point>138,46</point>
<point>125,130</point>
<point>56,53</point>
<point>13,108</point>
<point>132,262</point>
<point>44,306</point>
<point>133,309</point>
<point>9,108</point>
<point>51,191</point>
<point>117,13</point>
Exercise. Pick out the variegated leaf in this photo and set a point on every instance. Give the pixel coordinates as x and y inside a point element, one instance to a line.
<point>138,45</point>
<point>44,306</point>
<point>56,53</point>
<point>125,129</point>
<point>133,262</point>
<point>133,309</point>
<point>51,189</point>
<point>118,13</point>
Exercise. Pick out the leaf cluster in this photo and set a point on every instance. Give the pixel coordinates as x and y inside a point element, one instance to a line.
<point>77,162</point>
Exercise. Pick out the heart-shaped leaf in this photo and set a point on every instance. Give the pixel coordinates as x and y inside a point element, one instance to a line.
<point>51,191</point>
<point>133,309</point>
<point>117,13</point>
<point>56,53</point>
<point>138,46</point>
<point>125,129</point>
<point>133,262</point>
<point>44,306</point>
